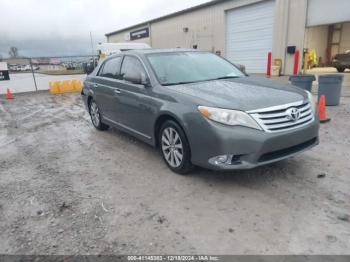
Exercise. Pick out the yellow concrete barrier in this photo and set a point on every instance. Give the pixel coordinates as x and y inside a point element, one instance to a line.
<point>77,85</point>
<point>54,87</point>
<point>65,86</point>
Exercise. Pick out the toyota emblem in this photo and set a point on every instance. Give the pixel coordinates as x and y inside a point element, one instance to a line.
<point>293,114</point>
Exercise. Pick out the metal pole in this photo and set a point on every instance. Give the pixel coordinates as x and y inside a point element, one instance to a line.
<point>269,62</point>
<point>296,62</point>
<point>150,34</point>
<point>92,48</point>
<point>31,67</point>
<point>92,45</point>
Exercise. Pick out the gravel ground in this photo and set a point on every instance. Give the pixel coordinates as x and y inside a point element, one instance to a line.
<point>66,188</point>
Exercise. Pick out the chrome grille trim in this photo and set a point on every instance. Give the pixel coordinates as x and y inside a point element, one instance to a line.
<point>276,108</point>
<point>274,119</point>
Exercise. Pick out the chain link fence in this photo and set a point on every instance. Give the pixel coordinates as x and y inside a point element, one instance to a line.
<point>33,74</point>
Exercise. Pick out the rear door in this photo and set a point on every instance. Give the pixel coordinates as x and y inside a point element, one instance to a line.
<point>105,86</point>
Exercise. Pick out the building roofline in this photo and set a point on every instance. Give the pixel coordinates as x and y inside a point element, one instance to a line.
<point>190,9</point>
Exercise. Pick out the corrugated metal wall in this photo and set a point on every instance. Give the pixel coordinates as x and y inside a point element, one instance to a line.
<point>206,29</point>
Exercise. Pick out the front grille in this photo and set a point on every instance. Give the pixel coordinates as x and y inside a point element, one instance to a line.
<point>287,151</point>
<point>277,119</point>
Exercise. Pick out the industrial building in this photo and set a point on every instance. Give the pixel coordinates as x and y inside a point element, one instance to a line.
<point>244,31</point>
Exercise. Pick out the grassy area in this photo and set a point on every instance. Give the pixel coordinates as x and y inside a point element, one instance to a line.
<point>62,72</point>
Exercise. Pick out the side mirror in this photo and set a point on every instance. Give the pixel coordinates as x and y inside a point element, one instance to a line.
<point>138,78</point>
<point>144,79</point>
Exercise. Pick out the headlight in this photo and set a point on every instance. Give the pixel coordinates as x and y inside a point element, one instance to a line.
<point>228,117</point>
<point>312,101</point>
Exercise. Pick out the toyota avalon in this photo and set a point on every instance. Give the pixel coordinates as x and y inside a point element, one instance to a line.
<point>200,109</point>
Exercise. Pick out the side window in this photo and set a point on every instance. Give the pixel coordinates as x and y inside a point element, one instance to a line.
<point>133,65</point>
<point>111,68</point>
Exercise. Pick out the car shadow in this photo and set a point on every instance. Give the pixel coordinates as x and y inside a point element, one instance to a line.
<point>260,175</point>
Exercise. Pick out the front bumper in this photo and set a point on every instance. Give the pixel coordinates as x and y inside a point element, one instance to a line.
<point>250,147</point>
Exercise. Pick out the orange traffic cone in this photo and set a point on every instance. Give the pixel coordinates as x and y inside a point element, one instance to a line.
<point>9,94</point>
<point>322,110</point>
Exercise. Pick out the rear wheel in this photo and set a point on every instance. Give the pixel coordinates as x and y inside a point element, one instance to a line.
<point>175,148</point>
<point>340,69</point>
<point>96,116</point>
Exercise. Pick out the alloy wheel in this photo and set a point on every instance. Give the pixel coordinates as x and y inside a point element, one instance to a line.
<point>95,114</point>
<point>172,147</point>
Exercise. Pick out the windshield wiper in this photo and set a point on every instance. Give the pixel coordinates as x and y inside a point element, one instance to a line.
<point>177,83</point>
<point>205,80</point>
<point>225,77</point>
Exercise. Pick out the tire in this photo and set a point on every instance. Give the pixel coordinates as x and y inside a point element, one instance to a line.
<point>340,69</point>
<point>175,148</point>
<point>95,115</point>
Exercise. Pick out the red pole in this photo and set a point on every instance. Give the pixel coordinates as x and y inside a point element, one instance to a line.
<point>269,61</point>
<point>296,62</point>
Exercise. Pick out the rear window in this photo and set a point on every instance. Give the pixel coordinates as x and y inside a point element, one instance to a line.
<point>111,68</point>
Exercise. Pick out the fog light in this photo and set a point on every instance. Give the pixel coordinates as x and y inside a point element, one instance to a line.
<point>225,160</point>
<point>221,159</point>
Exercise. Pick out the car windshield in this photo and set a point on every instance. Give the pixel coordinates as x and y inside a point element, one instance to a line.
<point>189,67</point>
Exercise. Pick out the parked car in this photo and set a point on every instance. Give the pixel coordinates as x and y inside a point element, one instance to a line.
<point>199,109</point>
<point>13,68</point>
<point>89,66</point>
<point>342,61</point>
<point>27,68</point>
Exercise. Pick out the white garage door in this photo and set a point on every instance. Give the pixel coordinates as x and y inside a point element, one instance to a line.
<point>321,12</point>
<point>249,32</point>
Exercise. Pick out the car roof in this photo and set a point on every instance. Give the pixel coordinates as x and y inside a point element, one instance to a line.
<point>153,51</point>
<point>159,50</point>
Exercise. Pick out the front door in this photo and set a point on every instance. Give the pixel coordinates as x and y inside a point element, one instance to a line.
<point>135,100</point>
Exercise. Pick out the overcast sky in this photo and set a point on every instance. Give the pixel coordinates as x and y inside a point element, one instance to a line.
<point>61,27</point>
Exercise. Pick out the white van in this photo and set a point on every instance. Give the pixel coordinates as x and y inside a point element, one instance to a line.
<point>107,49</point>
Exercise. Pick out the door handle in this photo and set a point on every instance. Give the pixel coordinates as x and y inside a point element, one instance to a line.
<point>117,91</point>
<point>95,85</point>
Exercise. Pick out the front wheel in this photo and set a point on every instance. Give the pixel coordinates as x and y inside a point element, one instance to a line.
<point>96,116</point>
<point>175,148</point>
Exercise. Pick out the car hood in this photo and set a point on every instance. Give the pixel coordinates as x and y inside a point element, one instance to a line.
<point>245,94</point>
